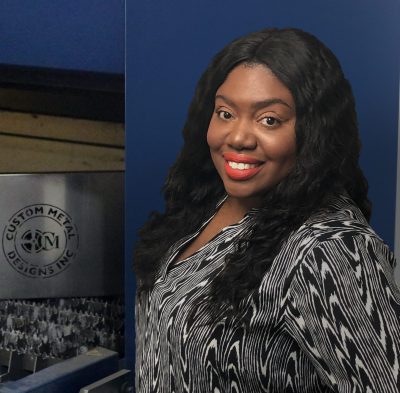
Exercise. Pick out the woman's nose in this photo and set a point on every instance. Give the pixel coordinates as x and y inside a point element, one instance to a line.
<point>242,137</point>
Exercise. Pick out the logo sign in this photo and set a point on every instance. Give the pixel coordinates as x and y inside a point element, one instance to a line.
<point>40,241</point>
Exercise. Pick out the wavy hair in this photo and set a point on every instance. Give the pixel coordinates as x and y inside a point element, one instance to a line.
<point>327,154</point>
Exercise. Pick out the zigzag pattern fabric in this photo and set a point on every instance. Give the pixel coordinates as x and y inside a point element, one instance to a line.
<point>324,319</point>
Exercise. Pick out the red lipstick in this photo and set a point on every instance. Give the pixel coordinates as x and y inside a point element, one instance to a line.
<point>239,157</point>
<point>234,163</point>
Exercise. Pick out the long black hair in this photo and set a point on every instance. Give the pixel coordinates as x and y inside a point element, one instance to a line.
<point>327,153</point>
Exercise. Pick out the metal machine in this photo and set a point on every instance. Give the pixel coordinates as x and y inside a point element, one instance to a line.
<point>61,270</point>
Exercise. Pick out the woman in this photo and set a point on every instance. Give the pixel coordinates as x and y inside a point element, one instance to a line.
<point>263,274</point>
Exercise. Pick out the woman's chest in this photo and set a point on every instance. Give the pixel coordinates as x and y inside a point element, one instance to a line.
<point>187,347</point>
<point>179,318</point>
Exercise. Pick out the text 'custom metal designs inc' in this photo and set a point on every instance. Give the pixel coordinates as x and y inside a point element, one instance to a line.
<point>40,241</point>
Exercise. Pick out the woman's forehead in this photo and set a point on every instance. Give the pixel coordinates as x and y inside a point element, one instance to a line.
<point>254,85</point>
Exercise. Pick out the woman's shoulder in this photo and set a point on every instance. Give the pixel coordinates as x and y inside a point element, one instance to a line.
<point>339,234</point>
<point>338,228</point>
<point>340,218</point>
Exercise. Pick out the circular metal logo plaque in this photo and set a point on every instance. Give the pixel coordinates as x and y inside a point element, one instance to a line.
<point>40,241</point>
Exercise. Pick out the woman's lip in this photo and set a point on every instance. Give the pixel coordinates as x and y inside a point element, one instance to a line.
<point>237,157</point>
<point>241,174</point>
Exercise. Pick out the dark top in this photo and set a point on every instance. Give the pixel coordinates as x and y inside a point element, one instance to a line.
<point>324,319</point>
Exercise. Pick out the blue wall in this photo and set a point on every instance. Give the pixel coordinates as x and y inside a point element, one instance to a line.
<point>68,34</point>
<point>170,43</point>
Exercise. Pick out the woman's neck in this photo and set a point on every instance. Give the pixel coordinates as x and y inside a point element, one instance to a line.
<point>236,208</point>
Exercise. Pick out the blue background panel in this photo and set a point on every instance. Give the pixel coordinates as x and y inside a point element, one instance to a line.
<point>67,34</point>
<point>169,44</point>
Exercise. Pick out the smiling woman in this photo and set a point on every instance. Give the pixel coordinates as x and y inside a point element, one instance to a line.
<point>263,274</point>
<point>252,132</point>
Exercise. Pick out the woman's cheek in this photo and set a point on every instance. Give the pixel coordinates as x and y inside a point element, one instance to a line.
<point>216,135</point>
<point>212,138</point>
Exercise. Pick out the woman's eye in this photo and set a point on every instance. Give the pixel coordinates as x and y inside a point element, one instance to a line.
<point>224,115</point>
<point>270,121</point>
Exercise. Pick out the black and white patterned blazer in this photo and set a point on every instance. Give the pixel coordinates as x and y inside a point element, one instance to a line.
<point>324,319</point>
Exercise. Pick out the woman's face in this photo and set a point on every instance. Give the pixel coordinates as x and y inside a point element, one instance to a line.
<point>252,131</point>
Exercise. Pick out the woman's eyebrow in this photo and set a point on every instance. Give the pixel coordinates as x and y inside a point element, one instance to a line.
<point>258,104</point>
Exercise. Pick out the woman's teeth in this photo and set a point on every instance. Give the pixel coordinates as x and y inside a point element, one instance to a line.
<point>240,165</point>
